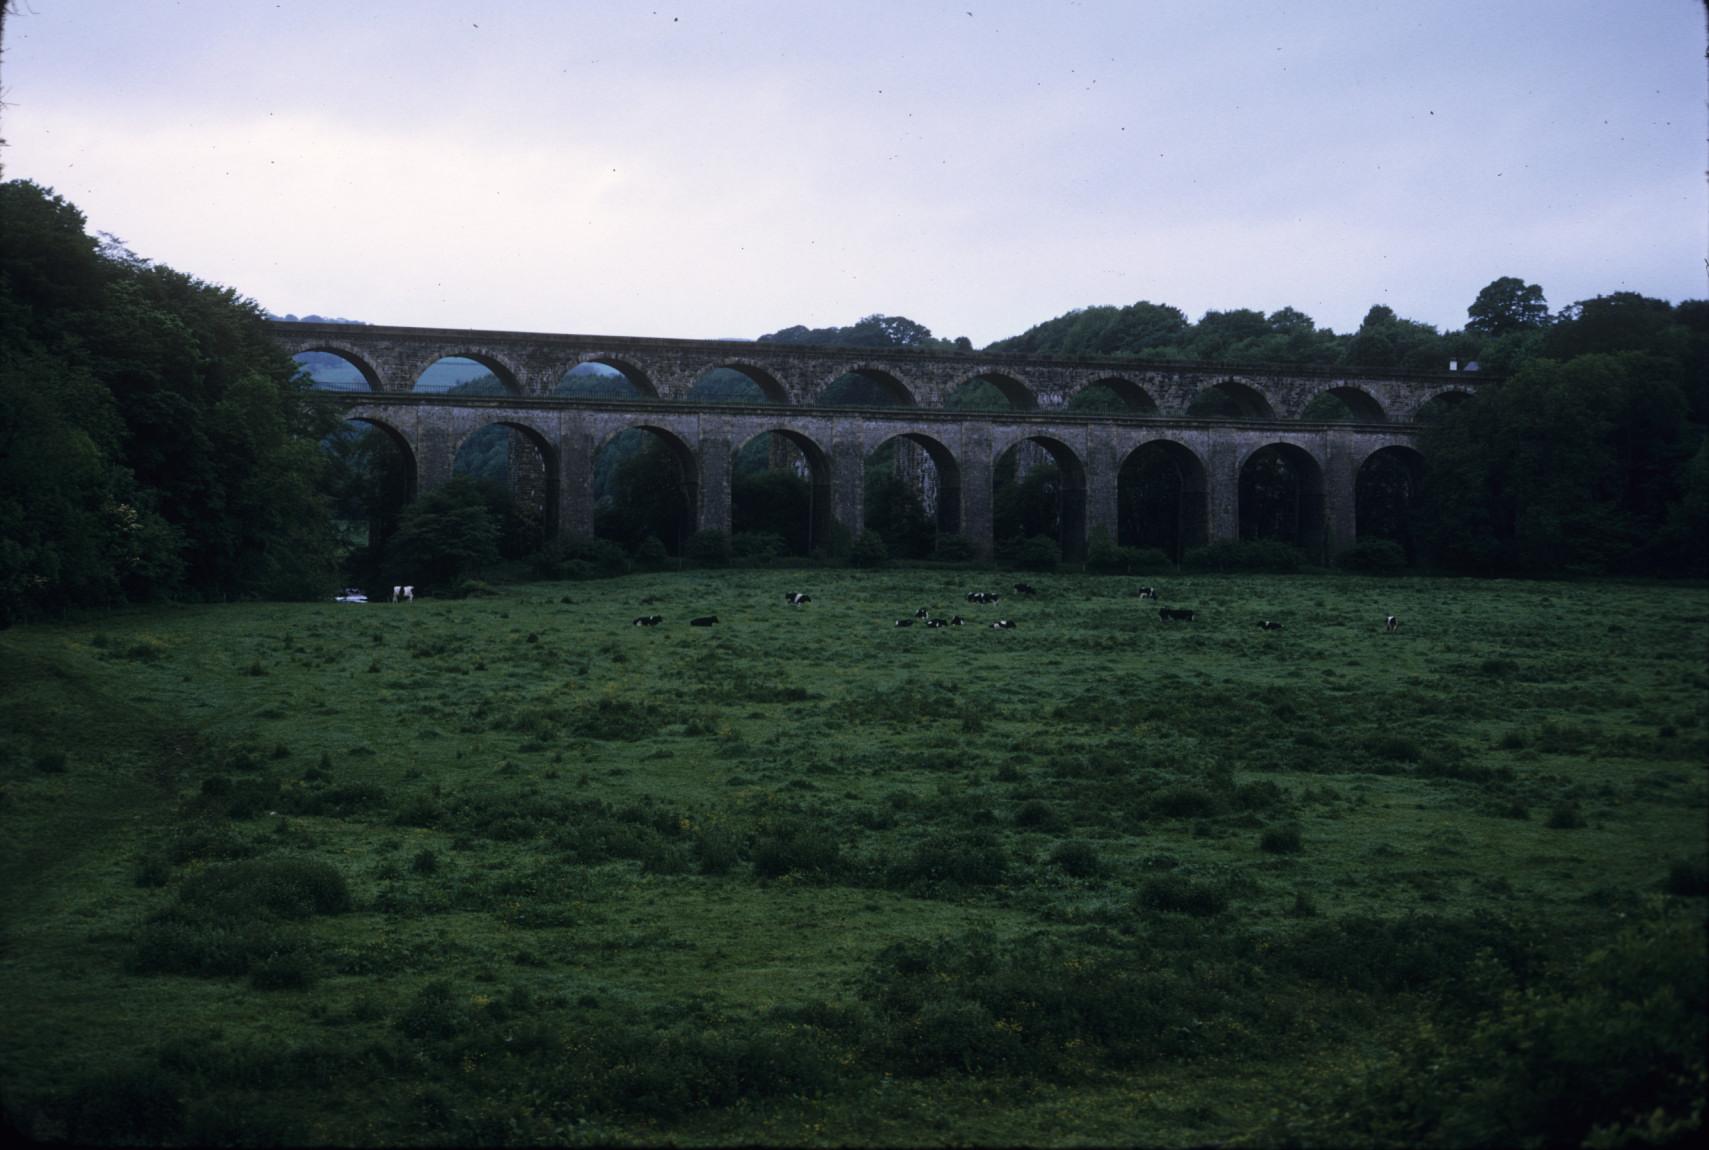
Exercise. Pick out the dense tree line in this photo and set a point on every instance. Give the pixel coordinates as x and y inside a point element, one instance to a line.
<point>152,440</point>
<point>155,443</point>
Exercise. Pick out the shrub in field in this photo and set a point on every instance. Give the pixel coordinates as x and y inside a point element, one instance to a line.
<point>868,550</point>
<point>279,887</point>
<point>1184,801</point>
<point>1565,817</point>
<point>715,850</point>
<point>1177,894</point>
<point>1610,1052</point>
<point>419,811</point>
<point>1281,841</point>
<point>424,862</point>
<point>287,970</point>
<point>434,1014</point>
<point>757,547</point>
<point>707,548</point>
<point>1393,748</point>
<point>51,762</point>
<point>795,846</point>
<point>1077,859</point>
<point>129,1106</point>
<point>1038,815</point>
<point>953,549</point>
<point>975,858</point>
<point>1248,555</point>
<point>1373,557</point>
<point>1418,952</point>
<point>1039,553</point>
<point>1687,878</point>
<point>579,557</point>
<point>152,870</point>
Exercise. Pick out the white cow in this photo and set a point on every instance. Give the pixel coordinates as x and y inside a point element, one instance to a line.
<point>396,592</point>
<point>409,593</point>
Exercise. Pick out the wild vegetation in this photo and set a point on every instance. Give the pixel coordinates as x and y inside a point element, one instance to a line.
<point>510,869</point>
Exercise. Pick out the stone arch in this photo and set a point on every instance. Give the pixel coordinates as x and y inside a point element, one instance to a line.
<point>688,473</point>
<point>880,377</point>
<point>1386,490</point>
<point>1231,399</point>
<point>1360,405</point>
<point>509,378</point>
<point>1281,497</point>
<point>1431,406</point>
<point>393,483</point>
<point>775,390</point>
<point>637,377</point>
<point>1071,489</point>
<point>938,488</point>
<point>817,526</point>
<point>1021,397</point>
<point>370,377</point>
<point>532,472</point>
<point>1133,398</point>
<point>1161,498</point>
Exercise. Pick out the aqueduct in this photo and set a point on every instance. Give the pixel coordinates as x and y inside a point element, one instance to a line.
<point>1261,411</point>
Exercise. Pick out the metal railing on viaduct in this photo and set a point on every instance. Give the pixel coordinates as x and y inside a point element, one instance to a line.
<point>1089,447</point>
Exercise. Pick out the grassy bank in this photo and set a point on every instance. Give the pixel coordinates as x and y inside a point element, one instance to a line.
<point>511,869</point>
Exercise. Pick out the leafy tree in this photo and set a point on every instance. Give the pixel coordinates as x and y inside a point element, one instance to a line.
<point>445,535</point>
<point>1507,305</point>
<point>1385,341</point>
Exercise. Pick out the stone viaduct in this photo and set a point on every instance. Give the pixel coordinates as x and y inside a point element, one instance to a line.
<point>1262,408</point>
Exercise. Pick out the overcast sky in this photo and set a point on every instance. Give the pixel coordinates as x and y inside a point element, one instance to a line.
<point>725,168</point>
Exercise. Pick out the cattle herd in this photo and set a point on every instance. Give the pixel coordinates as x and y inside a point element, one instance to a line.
<point>923,615</point>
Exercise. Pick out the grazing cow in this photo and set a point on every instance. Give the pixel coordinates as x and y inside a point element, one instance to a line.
<point>409,593</point>
<point>796,599</point>
<point>649,620</point>
<point>1267,625</point>
<point>957,621</point>
<point>904,622</point>
<point>1391,624</point>
<point>1003,625</point>
<point>1025,589</point>
<point>1148,592</point>
<point>1165,614</point>
<point>936,623</point>
<point>703,621</point>
<point>921,613</point>
<point>396,592</point>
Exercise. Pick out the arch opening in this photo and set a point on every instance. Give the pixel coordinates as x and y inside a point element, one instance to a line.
<point>602,378</point>
<point>780,496</point>
<point>735,383</point>
<point>1386,497</point>
<point>1281,498</point>
<point>516,470</point>
<point>1230,399</point>
<point>865,387</point>
<point>990,391</point>
<point>330,370</point>
<point>466,375</point>
<point>1113,394</point>
<point>1439,405</point>
<point>1161,499</point>
<point>912,494</point>
<point>1344,405</point>
<point>646,487</point>
<point>371,477</point>
<point>1038,490</point>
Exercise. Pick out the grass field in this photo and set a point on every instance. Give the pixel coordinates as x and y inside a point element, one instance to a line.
<point>511,869</point>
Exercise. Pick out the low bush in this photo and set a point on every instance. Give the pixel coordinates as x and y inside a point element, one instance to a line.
<point>757,546</point>
<point>975,858</point>
<point>1247,555</point>
<point>1687,878</point>
<point>1373,557</point>
<point>1177,894</point>
<point>953,549</point>
<point>795,847</point>
<point>287,888</point>
<point>868,550</point>
<point>579,557</point>
<point>1281,841</point>
<point>1077,859</point>
<point>1039,553</point>
<point>707,548</point>
<point>126,1107</point>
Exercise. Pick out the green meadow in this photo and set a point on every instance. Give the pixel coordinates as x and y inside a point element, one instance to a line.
<point>509,869</point>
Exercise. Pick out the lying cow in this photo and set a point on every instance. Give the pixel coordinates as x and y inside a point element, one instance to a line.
<point>648,620</point>
<point>796,598</point>
<point>1267,625</point>
<point>1148,592</point>
<point>703,621</point>
<point>982,597</point>
<point>1025,589</point>
<point>1003,625</point>
<point>1165,614</point>
<point>936,623</point>
<point>1391,624</point>
<point>904,622</point>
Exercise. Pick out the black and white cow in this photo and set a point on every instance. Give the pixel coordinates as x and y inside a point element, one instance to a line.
<point>986,597</point>
<point>1025,589</point>
<point>648,620</point>
<point>936,623</point>
<point>703,621</point>
<point>1391,624</point>
<point>1148,592</point>
<point>1267,625</point>
<point>1165,614</point>
<point>904,622</point>
<point>956,621</point>
<point>796,598</point>
<point>921,613</point>
<point>1003,625</point>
